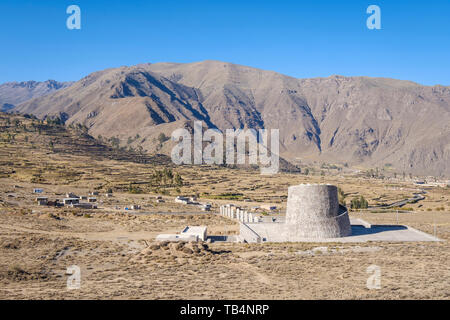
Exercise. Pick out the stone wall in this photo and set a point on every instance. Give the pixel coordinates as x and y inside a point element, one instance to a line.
<point>248,234</point>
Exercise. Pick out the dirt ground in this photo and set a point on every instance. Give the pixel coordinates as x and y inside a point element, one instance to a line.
<point>119,260</point>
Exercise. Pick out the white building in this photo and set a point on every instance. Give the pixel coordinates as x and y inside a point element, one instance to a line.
<point>69,201</point>
<point>183,200</point>
<point>199,231</point>
<point>189,233</point>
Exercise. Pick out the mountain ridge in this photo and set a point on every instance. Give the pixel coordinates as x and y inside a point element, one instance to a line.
<point>14,93</point>
<point>356,120</point>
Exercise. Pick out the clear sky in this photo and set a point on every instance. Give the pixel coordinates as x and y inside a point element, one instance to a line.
<point>298,38</point>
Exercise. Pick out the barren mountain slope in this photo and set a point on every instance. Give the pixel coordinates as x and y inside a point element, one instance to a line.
<point>121,102</point>
<point>14,93</point>
<point>239,97</point>
<point>374,121</point>
<point>380,121</point>
<point>359,120</point>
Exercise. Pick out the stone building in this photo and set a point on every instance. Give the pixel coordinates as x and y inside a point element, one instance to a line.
<point>313,212</point>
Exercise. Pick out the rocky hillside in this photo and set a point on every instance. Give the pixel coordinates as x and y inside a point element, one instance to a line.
<point>14,93</point>
<point>362,121</point>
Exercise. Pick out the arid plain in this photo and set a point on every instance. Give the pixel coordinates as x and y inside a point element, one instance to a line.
<point>119,258</point>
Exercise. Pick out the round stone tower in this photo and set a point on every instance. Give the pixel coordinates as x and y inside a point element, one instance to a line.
<point>313,211</point>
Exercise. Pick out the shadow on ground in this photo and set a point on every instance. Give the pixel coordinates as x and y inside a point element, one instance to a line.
<point>359,230</point>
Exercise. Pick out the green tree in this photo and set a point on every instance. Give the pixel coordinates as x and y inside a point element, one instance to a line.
<point>359,203</point>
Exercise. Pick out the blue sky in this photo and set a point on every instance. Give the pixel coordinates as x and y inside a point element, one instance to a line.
<point>298,38</point>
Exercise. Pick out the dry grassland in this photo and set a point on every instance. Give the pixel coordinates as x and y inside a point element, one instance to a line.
<point>120,260</point>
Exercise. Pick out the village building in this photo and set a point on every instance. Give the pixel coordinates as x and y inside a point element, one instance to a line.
<point>268,207</point>
<point>189,233</point>
<point>205,207</point>
<point>84,205</point>
<point>42,201</point>
<point>69,201</point>
<point>183,200</point>
<point>198,231</point>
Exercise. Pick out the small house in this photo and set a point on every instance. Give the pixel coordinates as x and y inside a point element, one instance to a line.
<point>71,201</point>
<point>84,205</point>
<point>205,207</point>
<point>183,200</point>
<point>198,231</point>
<point>42,201</point>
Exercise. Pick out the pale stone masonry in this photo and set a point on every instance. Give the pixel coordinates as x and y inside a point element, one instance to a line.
<point>237,213</point>
<point>314,215</point>
<point>313,211</point>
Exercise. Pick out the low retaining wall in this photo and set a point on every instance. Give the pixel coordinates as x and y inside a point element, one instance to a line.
<point>247,234</point>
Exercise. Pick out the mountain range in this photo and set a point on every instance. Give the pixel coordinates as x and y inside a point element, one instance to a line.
<point>14,93</point>
<point>361,121</point>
